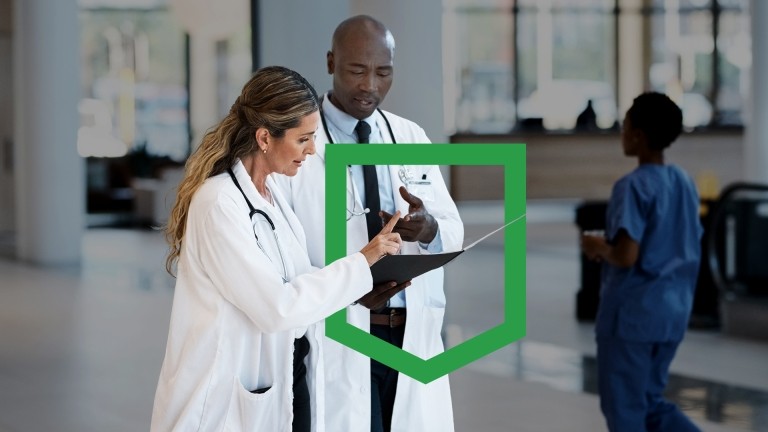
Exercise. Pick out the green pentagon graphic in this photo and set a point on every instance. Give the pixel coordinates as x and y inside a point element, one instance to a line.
<point>512,157</point>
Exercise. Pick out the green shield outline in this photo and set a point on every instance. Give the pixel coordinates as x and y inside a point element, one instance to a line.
<point>512,158</point>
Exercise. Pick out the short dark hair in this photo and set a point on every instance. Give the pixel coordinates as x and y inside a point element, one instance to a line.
<point>658,117</point>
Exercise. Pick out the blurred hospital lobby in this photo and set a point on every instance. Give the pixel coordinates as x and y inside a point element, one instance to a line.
<point>102,101</point>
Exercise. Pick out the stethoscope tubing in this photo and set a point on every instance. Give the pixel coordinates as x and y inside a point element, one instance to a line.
<point>254,211</point>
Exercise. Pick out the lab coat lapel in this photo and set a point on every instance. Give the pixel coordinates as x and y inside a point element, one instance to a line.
<point>386,137</point>
<point>357,227</point>
<point>246,183</point>
<point>400,203</point>
<point>289,215</point>
<point>320,142</point>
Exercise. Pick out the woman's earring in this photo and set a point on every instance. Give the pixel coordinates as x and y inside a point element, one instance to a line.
<point>264,150</point>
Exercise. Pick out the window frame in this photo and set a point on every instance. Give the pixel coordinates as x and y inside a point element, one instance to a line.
<point>715,10</point>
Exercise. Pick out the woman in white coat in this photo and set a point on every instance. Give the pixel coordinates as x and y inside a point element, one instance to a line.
<point>246,297</point>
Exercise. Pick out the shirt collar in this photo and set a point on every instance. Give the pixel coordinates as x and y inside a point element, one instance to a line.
<point>343,121</point>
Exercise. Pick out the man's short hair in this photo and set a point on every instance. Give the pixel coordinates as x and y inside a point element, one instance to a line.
<point>358,20</point>
<point>658,117</point>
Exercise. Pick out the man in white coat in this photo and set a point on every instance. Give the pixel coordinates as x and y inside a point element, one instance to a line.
<point>362,393</point>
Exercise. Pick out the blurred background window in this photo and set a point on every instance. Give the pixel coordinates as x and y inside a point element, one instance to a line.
<point>134,77</point>
<point>567,60</point>
<point>136,118</point>
<point>482,45</point>
<point>682,55</point>
<point>734,60</point>
<point>553,64</point>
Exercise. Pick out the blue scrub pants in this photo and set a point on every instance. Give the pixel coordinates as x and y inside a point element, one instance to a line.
<point>631,381</point>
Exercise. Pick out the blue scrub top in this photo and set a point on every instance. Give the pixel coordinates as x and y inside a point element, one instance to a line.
<point>658,207</point>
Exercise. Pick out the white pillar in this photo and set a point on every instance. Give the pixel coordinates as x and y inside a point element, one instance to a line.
<point>417,90</point>
<point>202,86</point>
<point>207,22</point>
<point>7,206</point>
<point>545,46</point>
<point>297,34</point>
<point>49,174</point>
<point>631,52</point>
<point>756,136</point>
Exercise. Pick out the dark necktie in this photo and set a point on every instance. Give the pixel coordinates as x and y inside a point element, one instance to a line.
<point>371,181</point>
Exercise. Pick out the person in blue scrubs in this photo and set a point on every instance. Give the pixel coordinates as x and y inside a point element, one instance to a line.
<point>651,253</point>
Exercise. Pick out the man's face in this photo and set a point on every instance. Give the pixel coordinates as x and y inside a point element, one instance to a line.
<point>362,68</point>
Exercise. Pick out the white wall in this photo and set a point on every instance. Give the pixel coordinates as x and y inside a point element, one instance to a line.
<point>297,34</point>
<point>417,92</point>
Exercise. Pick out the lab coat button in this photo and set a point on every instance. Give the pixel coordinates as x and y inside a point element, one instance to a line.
<point>362,390</point>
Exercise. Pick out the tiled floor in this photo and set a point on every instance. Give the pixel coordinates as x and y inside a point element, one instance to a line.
<point>80,349</point>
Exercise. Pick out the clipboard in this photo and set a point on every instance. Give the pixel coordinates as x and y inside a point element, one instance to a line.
<point>401,268</point>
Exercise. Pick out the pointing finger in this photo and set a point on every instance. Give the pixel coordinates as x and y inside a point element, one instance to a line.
<point>410,198</point>
<point>384,215</point>
<point>391,224</point>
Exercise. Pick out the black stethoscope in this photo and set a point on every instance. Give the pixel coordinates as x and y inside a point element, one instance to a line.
<point>351,213</point>
<point>264,214</point>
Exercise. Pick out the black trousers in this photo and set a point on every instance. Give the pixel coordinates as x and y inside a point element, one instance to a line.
<point>302,412</point>
<point>384,380</point>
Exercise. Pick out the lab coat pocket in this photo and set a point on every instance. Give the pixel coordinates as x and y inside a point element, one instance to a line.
<point>433,292</point>
<point>431,328</point>
<point>252,409</point>
<point>423,191</point>
<point>436,298</point>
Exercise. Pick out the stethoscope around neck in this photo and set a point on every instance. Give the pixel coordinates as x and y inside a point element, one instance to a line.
<point>254,211</point>
<point>353,212</point>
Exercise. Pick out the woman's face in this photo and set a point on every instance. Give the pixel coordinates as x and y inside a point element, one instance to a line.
<point>285,155</point>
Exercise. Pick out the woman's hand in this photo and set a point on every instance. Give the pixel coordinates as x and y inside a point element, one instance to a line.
<point>385,243</point>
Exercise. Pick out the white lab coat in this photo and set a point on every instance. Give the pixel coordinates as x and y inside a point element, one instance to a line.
<point>234,321</point>
<point>418,407</point>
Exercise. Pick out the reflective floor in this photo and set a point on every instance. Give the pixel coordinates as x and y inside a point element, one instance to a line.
<point>80,349</point>
<point>569,371</point>
<point>719,381</point>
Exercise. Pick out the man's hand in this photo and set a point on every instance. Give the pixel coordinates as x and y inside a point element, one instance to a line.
<point>418,224</point>
<point>381,293</point>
